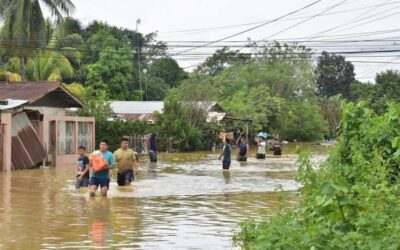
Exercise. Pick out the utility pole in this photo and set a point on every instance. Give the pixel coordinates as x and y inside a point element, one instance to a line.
<point>145,82</point>
<point>138,21</point>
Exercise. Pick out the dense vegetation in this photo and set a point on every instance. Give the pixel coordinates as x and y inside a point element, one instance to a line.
<point>351,201</point>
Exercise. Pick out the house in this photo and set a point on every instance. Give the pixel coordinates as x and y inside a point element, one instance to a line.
<point>35,128</point>
<point>135,110</point>
<point>144,111</point>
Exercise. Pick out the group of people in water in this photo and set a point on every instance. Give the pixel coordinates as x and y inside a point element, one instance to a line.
<point>244,149</point>
<point>126,161</point>
<point>102,162</point>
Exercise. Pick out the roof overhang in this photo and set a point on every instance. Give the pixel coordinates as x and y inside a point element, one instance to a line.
<point>13,104</point>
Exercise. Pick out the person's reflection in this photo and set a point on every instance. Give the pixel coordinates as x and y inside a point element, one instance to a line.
<point>100,230</point>
<point>152,171</point>
<point>227,176</point>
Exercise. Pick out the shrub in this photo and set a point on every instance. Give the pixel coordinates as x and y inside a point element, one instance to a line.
<point>351,202</point>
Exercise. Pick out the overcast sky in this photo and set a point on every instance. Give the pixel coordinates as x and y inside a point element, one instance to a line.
<point>347,17</point>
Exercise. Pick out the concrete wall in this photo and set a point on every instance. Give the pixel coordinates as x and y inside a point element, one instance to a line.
<point>63,160</point>
<point>6,122</point>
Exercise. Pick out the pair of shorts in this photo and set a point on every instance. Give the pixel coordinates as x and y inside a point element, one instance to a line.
<point>153,156</point>
<point>260,156</point>
<point>83,183</point>
<point>242,158</point>
<point>277,151</point>
<point>226,164</point>
<point>102,182</point>
<point>124,177</point>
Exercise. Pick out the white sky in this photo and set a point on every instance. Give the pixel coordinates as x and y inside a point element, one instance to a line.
<point>165,16</point>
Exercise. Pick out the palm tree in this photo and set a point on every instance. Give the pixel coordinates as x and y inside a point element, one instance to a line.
<point>49,66</point>
<point>24,27</point>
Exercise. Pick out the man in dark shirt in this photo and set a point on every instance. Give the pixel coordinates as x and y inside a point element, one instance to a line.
<point>82,176</point>
<point>226,154</point>
<point>153,147</point>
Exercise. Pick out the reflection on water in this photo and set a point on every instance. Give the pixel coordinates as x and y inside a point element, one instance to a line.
<point>184,201</point>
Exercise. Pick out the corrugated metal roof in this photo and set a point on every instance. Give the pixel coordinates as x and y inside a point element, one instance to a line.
<point>13,104</point>
<point>215,115</point>
<point>34,91</point>
<point>26,149</point>
<point>134,107</point>
<point>26,90</point>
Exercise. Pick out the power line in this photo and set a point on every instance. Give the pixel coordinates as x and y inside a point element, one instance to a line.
<point>205,29</point>
<point>356,20</point>
<point>250,29</point>
<point>371,21</point>
<point>308,19</point>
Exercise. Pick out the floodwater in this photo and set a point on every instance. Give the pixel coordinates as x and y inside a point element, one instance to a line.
<point>185,201</point>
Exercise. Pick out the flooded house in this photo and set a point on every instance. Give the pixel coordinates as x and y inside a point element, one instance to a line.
<point>37,127</point>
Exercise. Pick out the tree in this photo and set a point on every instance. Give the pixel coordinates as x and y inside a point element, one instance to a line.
<point>45,65</point>
<point>174,123</point>
<point>334,75</point>
<point>24,27</point>
<point>332,111</point>
<point>96,105</point>
<point>50,66</point>
<point>220,60</point>
<point>385,89</point>
<point>168,70</point>
<point>156,89</point>
<point>77,89</point>
<point>388,85</point>
<point>113,70</point>
<point>303,121</point>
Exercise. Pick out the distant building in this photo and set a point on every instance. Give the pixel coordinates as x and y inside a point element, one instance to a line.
<point>35,127</point>
<point>137,111</point>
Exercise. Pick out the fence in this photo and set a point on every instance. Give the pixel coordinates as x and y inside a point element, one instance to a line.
<point>140,144</point>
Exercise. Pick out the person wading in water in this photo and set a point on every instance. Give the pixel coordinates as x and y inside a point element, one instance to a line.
<point>226,154</point>
<point>101,161</point>
<point>153,147</point>
<point>277,147</point>
<point>261,148</point>
<point>244,149</point>
<point>126,163</point>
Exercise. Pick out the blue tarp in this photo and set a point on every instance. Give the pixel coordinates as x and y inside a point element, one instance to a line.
<point>262,134</point>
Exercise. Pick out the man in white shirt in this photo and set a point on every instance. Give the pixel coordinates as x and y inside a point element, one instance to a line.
<point>261,148</point>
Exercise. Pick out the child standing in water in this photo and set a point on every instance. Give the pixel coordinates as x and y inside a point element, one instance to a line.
<point>82,176</point>
<point>226,154</point>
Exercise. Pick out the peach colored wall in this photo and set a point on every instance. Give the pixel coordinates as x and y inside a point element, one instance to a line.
<point>6,119</point>
<point>60,160</point>
<point>64,160</point>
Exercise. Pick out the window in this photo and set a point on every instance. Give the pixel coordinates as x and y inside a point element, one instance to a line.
<point>85,135</point>
<point>66,135</point>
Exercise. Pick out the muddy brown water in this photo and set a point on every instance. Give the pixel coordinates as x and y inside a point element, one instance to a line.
<point>185,201</point>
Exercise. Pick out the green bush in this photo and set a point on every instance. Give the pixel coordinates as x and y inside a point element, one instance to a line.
<point>113,131</point>
<point>303,122</point>
<point>352,201</point>
<point>187,126</point>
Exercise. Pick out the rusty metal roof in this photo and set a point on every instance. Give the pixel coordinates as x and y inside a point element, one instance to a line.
<point>34,91</point>
<point>26,149</point>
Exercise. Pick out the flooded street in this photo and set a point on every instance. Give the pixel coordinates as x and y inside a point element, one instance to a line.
<point>185,201</point>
